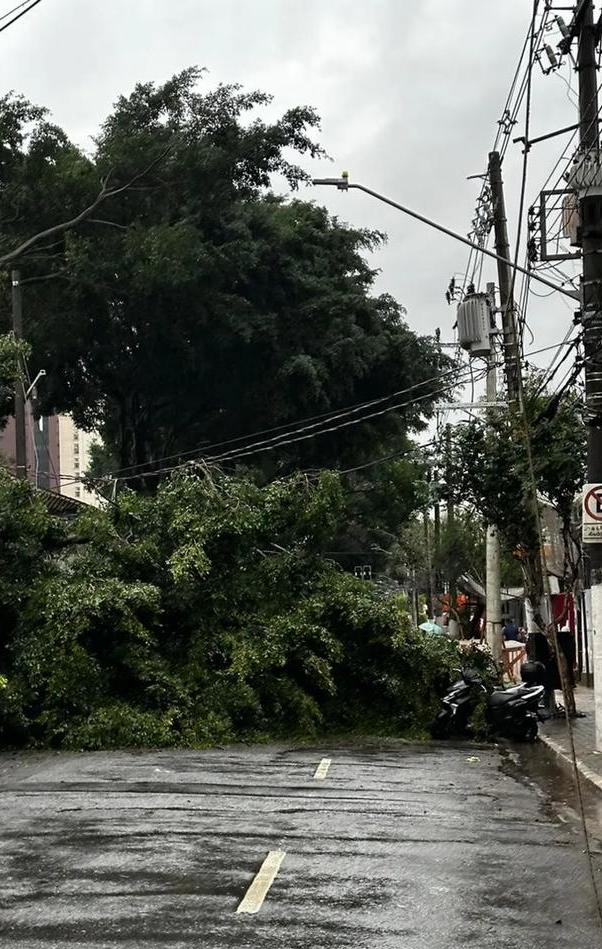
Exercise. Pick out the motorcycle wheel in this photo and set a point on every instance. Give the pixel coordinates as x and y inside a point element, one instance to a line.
<point>441,727</point>
<point>531,731</point>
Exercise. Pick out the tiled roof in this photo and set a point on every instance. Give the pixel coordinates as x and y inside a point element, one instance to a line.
<point>60,504</point>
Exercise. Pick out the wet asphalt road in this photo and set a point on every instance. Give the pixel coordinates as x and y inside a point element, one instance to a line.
<point>399,846</point>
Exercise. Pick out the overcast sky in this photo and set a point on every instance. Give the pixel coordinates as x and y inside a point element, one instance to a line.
<point>409,92</point>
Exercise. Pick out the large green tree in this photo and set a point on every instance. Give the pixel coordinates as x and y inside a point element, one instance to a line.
<point>493,473</point>
<point>194,306</point>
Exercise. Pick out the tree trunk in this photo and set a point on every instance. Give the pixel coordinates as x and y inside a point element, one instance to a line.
<point>534,592</point>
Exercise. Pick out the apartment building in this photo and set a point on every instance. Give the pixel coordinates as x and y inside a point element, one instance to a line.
<point>43,449</point>
<point>75,448</point>
<point>58,454</point>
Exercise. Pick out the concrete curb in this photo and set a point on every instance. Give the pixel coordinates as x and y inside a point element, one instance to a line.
<point>567,761</point>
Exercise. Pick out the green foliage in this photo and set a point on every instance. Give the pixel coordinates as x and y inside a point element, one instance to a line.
<point>492,472</point>
<point>12,354</point>
<point>27,533</point>
<point>204,614</point>
<point>392,675</point>
<point>196,306</point>
<point>380,501</point>
<point>559,445</point>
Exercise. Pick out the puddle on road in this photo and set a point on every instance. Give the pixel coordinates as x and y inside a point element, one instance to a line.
<point>539,765</point>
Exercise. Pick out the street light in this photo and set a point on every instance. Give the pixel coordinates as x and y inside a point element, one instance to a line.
<point>41,373</point>
<point>343,184</point>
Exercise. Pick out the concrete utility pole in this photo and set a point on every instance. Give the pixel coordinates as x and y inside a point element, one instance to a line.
<point>588,183</point>
<point>493,581</point>
<point>429,564</point>
<point>454,630</point>
<point>437,579</point>
<point>450,510</point>
<point>414,599</point>
<point>20,425</point>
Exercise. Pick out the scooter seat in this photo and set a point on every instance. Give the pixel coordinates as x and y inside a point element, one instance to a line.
<point>503,696</point>
<point>507,695</point>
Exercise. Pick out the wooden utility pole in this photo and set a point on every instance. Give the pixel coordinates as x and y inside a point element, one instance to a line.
<point>539,585</point>
<point>513,380</point>
<point>20,423</point>
<point>502,248</point>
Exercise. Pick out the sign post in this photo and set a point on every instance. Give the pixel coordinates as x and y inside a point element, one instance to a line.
<point>592,534</point>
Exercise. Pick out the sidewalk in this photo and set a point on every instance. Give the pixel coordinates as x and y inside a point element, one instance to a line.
<point>554,734</point>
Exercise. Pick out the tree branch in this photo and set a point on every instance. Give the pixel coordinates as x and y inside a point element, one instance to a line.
<point>98,220</point>
<point>103,195</point>
<point>58,274</point>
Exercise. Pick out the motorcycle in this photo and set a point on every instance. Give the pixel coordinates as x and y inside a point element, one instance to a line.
<point>510,713</point>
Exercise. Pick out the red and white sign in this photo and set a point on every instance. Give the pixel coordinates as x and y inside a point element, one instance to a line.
<point>592,514</point>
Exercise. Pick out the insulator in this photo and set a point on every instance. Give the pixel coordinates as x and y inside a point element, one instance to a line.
<point>562,26</point>
<point>553,59</point>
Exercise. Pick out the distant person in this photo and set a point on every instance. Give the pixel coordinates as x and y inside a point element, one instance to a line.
<point>511,632</point>
<point>538,650</point>
<point>566,644</point>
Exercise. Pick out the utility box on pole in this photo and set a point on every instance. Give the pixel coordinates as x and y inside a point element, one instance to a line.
<point>476,324</point>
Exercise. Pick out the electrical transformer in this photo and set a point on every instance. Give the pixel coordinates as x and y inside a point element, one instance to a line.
<point>475,324</point>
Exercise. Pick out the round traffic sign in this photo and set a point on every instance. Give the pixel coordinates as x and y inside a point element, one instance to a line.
<point>592,503</point>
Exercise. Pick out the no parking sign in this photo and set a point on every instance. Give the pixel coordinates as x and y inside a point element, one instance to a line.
<point>592,514</point>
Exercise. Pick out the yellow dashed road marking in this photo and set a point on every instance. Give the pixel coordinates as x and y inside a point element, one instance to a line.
<point>322,769</point>
<point>257,892</point>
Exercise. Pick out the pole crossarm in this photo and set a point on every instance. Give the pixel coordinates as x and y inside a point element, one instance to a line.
<point>544,138</point>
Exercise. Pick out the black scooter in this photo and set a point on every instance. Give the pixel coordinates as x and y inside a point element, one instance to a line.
<point>511,713</point>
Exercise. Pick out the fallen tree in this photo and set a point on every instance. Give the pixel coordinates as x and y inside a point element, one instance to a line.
<point>204,614</point>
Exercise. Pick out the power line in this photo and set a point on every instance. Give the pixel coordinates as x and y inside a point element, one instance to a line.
<point>401,453</point>
<point>303,434</point>
<point>551,372</point>
<point>538,519</point>
<point>575,167</point>
<point>33,4</point>
<point>277,442</point>
<point>527,129</point>
<point>14,9</point>
<point>379,461</point>
<point>570,92</point>
<point>117,476</point>
<point>324,416</point>
<point>298,435</point>
<point>502,138</point>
